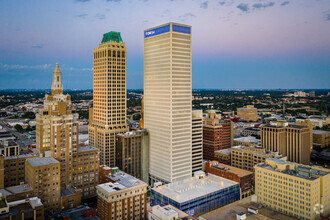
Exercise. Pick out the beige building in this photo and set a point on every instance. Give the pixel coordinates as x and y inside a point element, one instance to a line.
<point>197,139</point>
<point>15,169</point>
<point>167,101</point>
<point>57,129</point>
<point>132,153</point>
<point>2,172</point>
<point>248,113</point>
<point>86,170</point>
<point>9,148</point>
<point>108,116</point>
<point>43,175</point>
<point>293,189</point>
<point>246,157</point>
<point>321,139</point>
<point>292,141</point>
<point>125,197</point>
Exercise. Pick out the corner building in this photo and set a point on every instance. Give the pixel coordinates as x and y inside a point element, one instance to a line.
<point>108,116</point>
<point>167,101</point>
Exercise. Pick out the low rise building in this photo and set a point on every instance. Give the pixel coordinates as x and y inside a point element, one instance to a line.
<point>43,175</point>
<point>18,192</point>
<point>223,156</point>
<point>243,177</point>
<point>247,141</point>
<point>125,197</point>
<point>246,157</point>
<point>15,169</point>
<point>251,131</point>
<point>105,172</point>
<point>70,198</point>
<point>321,139</point>
<point>168,212</point>
<point>31,208</point>
<point>293,189</point>
<point>196,195</point>
<point>9,148</point>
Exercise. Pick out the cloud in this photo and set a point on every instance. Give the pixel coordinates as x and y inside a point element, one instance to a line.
<point>100,16</point>
<point>243,7</point>
<point>82,15</point>
<point>285,3</point>
<point>222,3</point>
<point>186,16</point>
<point>263,5</point>
<point>82,0</point>
<point>13,67</point>
<point>204,5</point>
<point>37,46</point>
<point>327,17</point>
<point>113,0</point>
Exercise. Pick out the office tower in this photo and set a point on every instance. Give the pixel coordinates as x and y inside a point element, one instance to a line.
<point>217,135</point>
<point>292,141</point>
<point>15,169</point>
<point>57,129</point>
<point>142,114</point>
<point>243,177</point>
<point>9,148</point>
<point>293,189</point>
<point>125,197</point>
<point>43,175</point>
<point>108,116</point>
<point>223,156</point>
<point>246,157</point>
<point>167,100</point>
<point>197,140</point>
<point>196,195</point>
<point>132,153</point>
<point>321,139</point>
<point>248,113</point>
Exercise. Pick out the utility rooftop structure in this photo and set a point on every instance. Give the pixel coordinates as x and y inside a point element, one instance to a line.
<point>196,195</point>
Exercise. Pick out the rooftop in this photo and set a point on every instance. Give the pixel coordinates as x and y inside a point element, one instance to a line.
<point>191,188</point>
<point>249,139</point>
<point>112,36</point>
<point>320,132</point>
<point>7,143</point>
<point>68,191</point>
<point>230,169</point>
<point>85,149</point>
<point>19,189</point>
<point>41,161</point>
<point>20,156</point>
<point>125,179</point>
<point>224,151</point>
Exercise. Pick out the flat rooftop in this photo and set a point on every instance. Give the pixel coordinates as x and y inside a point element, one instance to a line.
<point>191,188</point>
<point>86,149</point>
<point>19,189</point>
<point>320,132</point>
<point>41,161</point>
<point>125,179</point>
<point>249,139</point>
<point>20,156</point>
<point>224,151</point>
<point>239,172</point>
<point>68,191</point>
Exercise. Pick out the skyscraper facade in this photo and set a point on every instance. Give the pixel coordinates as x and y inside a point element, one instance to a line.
<point>167,100</point>
<point>108,116</point>
<point>57,129</point>
<point>197,140</point>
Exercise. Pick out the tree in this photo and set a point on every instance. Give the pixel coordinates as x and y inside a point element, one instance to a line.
<point>28,128</point>
<point>18,127</point>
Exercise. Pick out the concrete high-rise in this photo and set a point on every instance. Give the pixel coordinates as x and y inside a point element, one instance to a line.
<point>57,129</point>
<point>167,101</point>
<point>292,141</point>
<point>108,116</point>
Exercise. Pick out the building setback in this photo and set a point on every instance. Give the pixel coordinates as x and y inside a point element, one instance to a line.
<point>108,115</point>
<point>293,189</point>
<point>217,135</point>
<point>196,195</point>
<point>167,101</point>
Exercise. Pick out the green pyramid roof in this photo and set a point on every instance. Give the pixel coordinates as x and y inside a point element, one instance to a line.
<point>112,36</point>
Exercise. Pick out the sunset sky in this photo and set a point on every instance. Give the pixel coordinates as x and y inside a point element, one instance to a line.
<point>236,44</point>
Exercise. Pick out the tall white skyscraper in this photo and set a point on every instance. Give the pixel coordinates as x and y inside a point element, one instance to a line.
<point>167,101</point>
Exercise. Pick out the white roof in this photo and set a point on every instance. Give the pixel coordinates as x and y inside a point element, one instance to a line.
<point>41,161</point>
<point>191,188</point>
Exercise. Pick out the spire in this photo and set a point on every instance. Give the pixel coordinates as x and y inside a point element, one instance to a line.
<point>57,87</point>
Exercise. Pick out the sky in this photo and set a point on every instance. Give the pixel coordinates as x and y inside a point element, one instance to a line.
<point>236,44</point>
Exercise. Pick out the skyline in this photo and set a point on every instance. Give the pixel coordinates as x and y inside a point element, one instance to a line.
<point>254,45</point>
